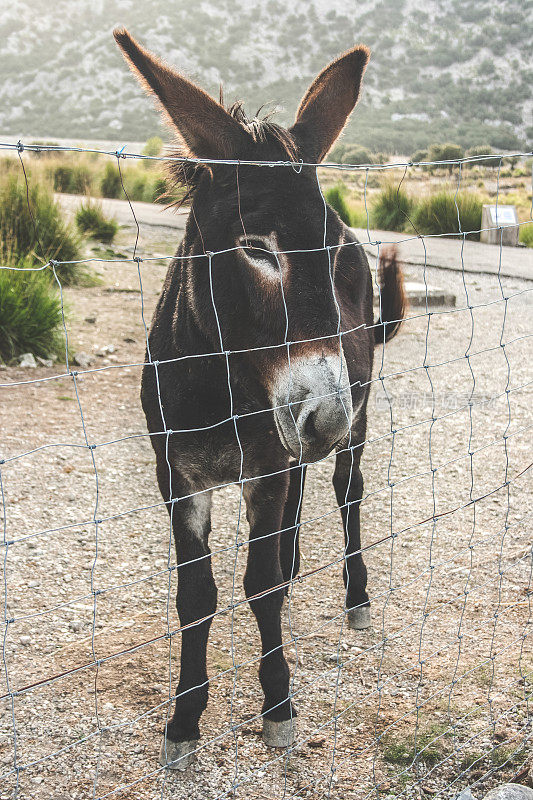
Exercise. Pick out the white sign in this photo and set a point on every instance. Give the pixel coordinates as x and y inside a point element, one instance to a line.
<point>503,215</point>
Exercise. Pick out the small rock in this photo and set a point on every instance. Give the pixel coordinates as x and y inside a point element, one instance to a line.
<point>465,794</point>
<point>82,360</point>
<point>510,791</point>
<point>106,349</point>
<point>317,741</point>
<point>27,360</point>
<point>45,362</point>
<point>91,320</point>
<point>75,625</point>
<point>25,639</point>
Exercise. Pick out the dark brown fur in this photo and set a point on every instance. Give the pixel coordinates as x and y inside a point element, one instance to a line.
<point>218,341</point>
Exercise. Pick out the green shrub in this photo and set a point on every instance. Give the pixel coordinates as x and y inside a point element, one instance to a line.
<point>391,209</point>
<point>136,187</point>
<point>419,155</point>
<point>445,152</point>
<point>30,314</point>
<point>483,150</point>
<point>153,147</point>
<point>437,214</point>
<point>110,185</point>
<point>40,234</point>
<point>62,177</point>
<point>82,179</point>
<point>91,219</point>
<point>335,197</point>
<point>354,154</point>
<point>72,178</point>
<point>526,234</point>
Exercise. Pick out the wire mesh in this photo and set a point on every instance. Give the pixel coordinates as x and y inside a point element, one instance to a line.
<point>436,696</point>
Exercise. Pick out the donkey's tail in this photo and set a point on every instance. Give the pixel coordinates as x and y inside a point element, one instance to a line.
<point>392,298</point>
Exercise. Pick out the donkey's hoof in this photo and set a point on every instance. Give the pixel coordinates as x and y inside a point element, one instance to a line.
<point>359,618</point>
<point>279,734</point>
<point>178,755</point>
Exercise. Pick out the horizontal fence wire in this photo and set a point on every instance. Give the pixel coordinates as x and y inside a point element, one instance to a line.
<point>435,696</point>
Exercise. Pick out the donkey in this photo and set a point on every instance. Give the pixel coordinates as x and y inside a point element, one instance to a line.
<point>259,362</point>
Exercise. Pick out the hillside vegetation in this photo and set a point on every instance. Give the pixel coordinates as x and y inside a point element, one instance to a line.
<point>459,70</point>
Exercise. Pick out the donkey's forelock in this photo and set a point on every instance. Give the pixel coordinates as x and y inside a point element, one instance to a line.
<point>264,131</point>
<point>271,139</point>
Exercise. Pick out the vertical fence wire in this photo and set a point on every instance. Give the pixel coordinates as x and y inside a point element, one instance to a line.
<point>390,748</point>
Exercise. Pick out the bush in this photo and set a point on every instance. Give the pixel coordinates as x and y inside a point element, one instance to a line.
<point>419,155</point>
<point>445,152</point>
<point>136,188</point>
<point>482,150</point>
<point>30,314</point>
<point>82,179</point>
<point>39,235</point>
<point>110,185</point>
<point>391,209</point>
<point>335,197</point>
<point>72,178</point>
<point>438,214</point>
<point>526,234</point>
<point>153,147</point>
<point>91,219</point>
<point>354,154</point>
<point>62,177</point>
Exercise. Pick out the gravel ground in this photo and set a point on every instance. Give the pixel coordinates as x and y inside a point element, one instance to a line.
<point>449,658</point>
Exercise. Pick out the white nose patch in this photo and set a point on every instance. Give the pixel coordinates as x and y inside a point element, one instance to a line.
<point>317,376</point>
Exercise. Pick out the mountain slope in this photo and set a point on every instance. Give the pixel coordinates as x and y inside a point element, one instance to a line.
<point>455,70</point>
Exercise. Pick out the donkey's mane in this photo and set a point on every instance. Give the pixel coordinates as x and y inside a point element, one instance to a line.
<point>187,174</point>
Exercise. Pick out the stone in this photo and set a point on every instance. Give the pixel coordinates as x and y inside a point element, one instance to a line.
<point>465,794</point>
<point>45,362</point>
<point>91,320</point>
<point>27,360</point>
<point>510,791</point>
<point>83,360</point>
<point>416,294</point>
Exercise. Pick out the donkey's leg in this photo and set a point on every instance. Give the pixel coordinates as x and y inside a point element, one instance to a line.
<point>348,483</point>
<point>196,600</point>
<point>289,545</point>
<point>265,499</point>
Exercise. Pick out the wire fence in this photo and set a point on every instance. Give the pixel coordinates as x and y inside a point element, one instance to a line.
<point>436,696</point>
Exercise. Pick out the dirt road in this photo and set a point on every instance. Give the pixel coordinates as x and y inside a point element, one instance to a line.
<point>446,253</point>
<point>91,652</point>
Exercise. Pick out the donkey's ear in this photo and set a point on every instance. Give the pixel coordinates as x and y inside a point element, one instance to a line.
<point>205,126</point>
<point>328,103</point>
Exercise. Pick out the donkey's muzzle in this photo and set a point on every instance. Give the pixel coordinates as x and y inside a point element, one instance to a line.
<point>313,406</point>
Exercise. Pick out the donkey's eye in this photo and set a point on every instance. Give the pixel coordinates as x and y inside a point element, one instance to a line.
<point>258,252</point>
<point>254,244</point>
